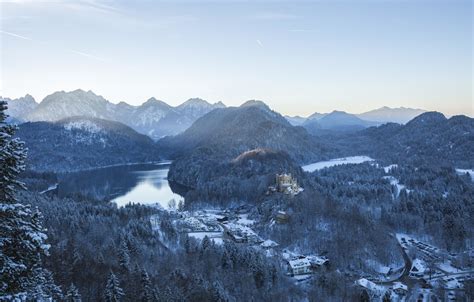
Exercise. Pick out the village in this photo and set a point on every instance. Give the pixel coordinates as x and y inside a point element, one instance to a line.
<point>425,266</point>
<point>234,224</point>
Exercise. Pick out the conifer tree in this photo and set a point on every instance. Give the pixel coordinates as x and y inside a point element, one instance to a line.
<point>113,292</point>
<point>124,256</point>
<point>147,288</point>
<point>22,237</point>
<point>72,294</point>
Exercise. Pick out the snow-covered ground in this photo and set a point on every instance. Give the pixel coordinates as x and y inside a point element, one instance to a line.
<point>388,168</point>
<point>50,188</point>
<point>214,236</point>
<point>395,182</point>
<point>337,161</point>
<point>464,171</point>
<point>243,220</point>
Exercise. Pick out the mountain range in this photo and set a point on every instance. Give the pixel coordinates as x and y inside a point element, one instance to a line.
<point>153,118</point>
<point>157,119</point>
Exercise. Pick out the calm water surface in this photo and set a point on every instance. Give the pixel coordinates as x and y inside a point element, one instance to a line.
<point>140,184</point>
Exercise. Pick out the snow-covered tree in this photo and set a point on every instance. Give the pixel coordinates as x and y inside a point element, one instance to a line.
<point>12,158</point>
<point>124,256</point>
<point>22,237</point>
<point>72,294</point>
<point>113,292</point>
<point>147,288</point>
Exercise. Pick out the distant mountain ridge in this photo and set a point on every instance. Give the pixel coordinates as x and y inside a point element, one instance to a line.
<point>80,143</point>
<point>154,118</point>
<point>429,137</point>
<point>338,121</point>
<point>343,121</point>
<point>386,114</point>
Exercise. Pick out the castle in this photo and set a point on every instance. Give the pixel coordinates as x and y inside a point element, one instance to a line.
<point>285,183</point>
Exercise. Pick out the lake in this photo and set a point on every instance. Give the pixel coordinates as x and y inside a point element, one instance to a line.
<point>140,184</point>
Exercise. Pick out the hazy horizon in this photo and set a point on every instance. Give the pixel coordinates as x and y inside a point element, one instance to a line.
<point>299,58</point>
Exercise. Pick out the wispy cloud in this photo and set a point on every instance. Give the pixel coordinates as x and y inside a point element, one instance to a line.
<point>94,5</point>
<point>259,43</point>
<point>274,16</point>
<point>87,55</point>
<point>15,35</point>
<point>301,30</point>
<point>80,53</point>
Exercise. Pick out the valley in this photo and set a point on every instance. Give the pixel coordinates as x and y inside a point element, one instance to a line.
<point>368,214</point>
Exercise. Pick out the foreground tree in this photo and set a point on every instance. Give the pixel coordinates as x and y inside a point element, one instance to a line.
<point>22,237</point>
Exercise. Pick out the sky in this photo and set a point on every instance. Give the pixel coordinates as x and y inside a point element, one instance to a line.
<point>299,57</point>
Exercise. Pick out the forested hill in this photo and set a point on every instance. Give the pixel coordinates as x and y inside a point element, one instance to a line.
<point>429,137</point>
<point>81,143</point>
<point>228,132</point>
<point>245,177</point>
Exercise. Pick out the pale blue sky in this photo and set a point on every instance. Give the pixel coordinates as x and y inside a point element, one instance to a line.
<point>298,56</point>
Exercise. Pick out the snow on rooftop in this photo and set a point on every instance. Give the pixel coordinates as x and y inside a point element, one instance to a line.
<point>399,285</point>
<point>317,260</point>
<point>337,161</point>
<point>269,243</point>
<point>418,265</point>
<point>367,284</point>
<point>297,263</point>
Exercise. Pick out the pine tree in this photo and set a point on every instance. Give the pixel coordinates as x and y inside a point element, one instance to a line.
<point>113,291</point>
<point>50,287</point>
<point>22,237</point>
<point>147,288</point>
<point>218,292</point>
<point>12,158</point>
<point>124,256</point>
<point>72,294</point>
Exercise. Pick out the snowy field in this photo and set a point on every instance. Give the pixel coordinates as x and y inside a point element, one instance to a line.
<point>337,161</point>
<point>464,171</point>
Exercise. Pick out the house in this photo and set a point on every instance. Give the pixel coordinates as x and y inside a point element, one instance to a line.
<point>400,288</point>
<point>367,284</point>
<point>241,233</point>
<point>372,290</point>
<point>384,270</point>
<point>282,217</point>
<point>300,266</point>
<point>318,261</point>
<point>418,269</point>
<point>268,244</point>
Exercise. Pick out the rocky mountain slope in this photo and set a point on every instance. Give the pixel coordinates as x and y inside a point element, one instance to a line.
<point>231,131</point>
<point>154,118</point>
<point>19,108</point>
